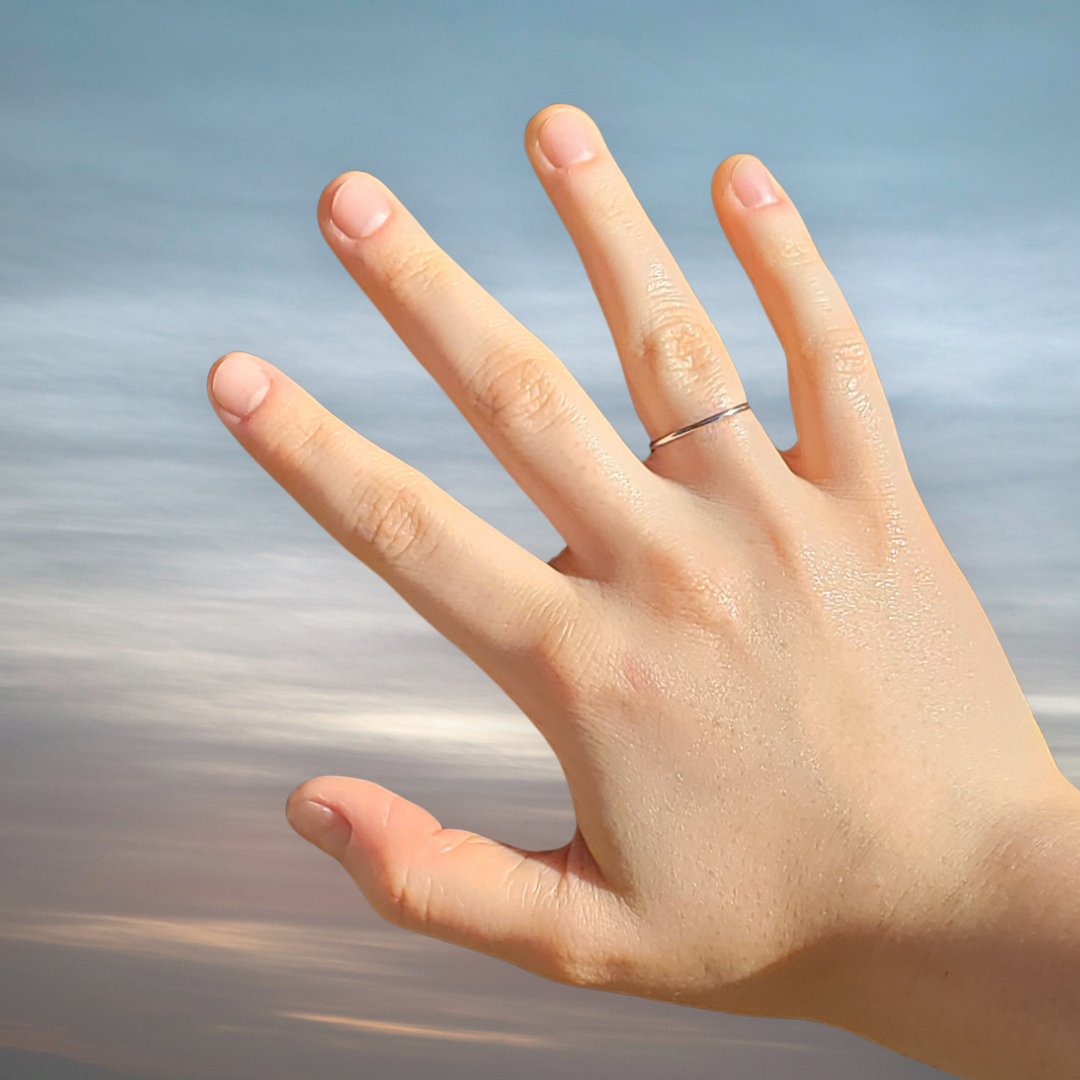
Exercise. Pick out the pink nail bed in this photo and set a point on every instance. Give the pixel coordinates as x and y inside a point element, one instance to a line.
<point>753,185</point>
<point>565,139</point>
<point>359,206</point>
<point>239,386</point>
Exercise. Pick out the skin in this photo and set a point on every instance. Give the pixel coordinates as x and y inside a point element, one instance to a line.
<point>805,778</point>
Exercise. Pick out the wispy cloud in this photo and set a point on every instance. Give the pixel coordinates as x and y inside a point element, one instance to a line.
<point>129,655</point>
<point>1055,704</point>
<point>232,942</point>
<point>650,1033</point>
<point>41,1039</point>
<point>59,1043</point>
<point>416,1031</point>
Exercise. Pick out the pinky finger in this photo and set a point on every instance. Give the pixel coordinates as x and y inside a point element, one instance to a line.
<point>845,428</point>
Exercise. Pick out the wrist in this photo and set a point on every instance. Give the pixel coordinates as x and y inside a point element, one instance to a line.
<point>984,979</point>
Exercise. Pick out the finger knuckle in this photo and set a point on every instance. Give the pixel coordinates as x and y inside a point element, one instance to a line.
<point>519,390</point>
<point>611,214</point>
<point>577,964</point>
<point>793,252</point>
<point>680,344</point>
<point>300,447</point>
<point>389,519</point>
<point>414,270</point>
<point>584,956</point>
<point>409,898</point>
<point>842,350</point>
<point>676,581</point>
<point>400,894</point>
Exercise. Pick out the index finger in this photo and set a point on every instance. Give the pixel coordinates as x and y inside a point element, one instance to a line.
<point>475,586</point>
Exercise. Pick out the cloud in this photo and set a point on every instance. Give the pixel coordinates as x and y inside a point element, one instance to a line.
<point>253,670</point>
<point>235,943</point>
<point>382,1027</point>
<point>1055,704</point>
<point>63,1049</point>
<point>40,1039</point>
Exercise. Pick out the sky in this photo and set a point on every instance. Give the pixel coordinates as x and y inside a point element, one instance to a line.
<point>180,646</point>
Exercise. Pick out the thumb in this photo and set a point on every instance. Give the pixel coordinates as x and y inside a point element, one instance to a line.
<point>530,908</point>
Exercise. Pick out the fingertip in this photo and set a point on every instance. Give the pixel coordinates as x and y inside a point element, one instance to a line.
<point>744,180</point>
<point>309,789</point>
<point>370,809</point>
<point>331,189</point>
<point>539,119</point>
<point>354,206</point>
<point>376,835</point>
<point>562,136</point>
<point>237,385</point>
<point>722,176</point>
<point>318,820</point>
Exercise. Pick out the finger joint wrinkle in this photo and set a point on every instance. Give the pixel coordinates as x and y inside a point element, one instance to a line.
<point>843,348</point>
<point>389,520</point>
<point>516,391</point>
<point>678,341</point>
<point>793,252</point>
<point>312,443</point>
<point>416,270</point>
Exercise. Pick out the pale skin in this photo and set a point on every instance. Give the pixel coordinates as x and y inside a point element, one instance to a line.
<point>806,781</point>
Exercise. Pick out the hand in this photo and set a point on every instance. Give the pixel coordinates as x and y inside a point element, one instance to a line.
<point>804,775</point>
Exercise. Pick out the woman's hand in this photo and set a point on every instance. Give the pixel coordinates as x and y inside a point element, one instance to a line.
<point>806,781</point>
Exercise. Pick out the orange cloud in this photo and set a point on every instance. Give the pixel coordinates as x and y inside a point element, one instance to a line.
<point>384,1027</point>
<point>236,943</point>
<point>58,1043</point>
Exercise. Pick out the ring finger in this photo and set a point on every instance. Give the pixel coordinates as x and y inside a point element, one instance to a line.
<point>677,368</point>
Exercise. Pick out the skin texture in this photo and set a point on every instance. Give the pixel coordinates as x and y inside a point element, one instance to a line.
<point>805,778</point>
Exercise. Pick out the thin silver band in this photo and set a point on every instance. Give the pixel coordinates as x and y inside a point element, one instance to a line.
<point>665,439</point>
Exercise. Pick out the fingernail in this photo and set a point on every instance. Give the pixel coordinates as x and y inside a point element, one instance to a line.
<point>359,206</point>
<point>321,826</point>
<point>239,386</point>
<point>753,185</point>
<point>565,139</point>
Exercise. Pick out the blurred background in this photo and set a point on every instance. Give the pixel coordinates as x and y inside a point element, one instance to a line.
<point>180,646</point>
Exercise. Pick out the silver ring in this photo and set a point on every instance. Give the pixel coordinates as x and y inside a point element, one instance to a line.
<point>665,439</point>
